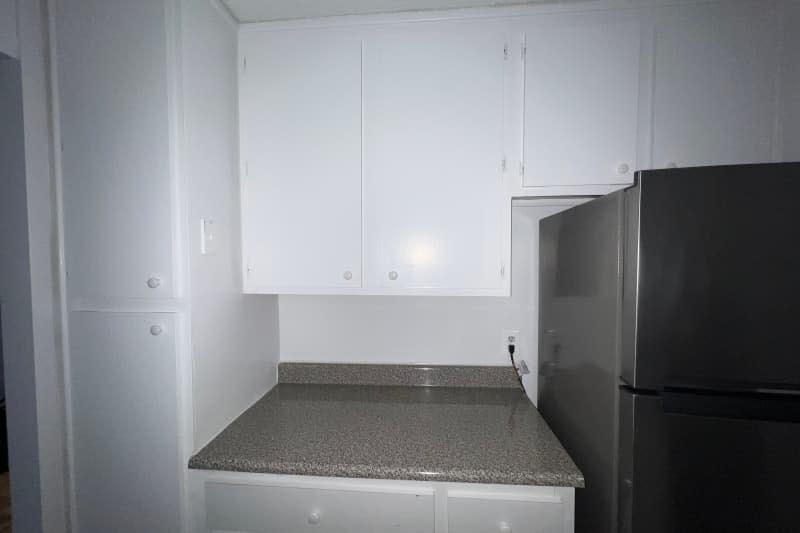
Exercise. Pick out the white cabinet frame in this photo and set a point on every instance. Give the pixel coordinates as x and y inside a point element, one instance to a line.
<point>564,497</point>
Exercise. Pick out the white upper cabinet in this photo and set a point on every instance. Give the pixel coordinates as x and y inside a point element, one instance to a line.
<point>716,77</point>
<point>581,99</point>
<point>436,217</point>
<point>300,120</point>
<point>114,109</point>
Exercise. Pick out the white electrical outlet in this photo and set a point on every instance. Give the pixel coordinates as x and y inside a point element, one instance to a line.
<point>510,336</point>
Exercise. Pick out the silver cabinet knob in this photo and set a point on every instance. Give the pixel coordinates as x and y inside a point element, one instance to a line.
<point>623,168</point>
<point>154,282</point>
<point>505,527</point>
<point>156,330</point>
<point>393,275</point>
<point>313,517</point>
<point>347,275</point>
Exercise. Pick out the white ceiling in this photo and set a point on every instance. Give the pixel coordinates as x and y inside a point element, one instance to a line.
<point>264,10</point>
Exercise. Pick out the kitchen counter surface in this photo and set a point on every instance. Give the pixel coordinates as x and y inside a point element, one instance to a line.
<point>456,434</point>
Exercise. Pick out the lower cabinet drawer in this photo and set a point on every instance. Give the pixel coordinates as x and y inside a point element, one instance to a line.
<point>473,515</point>
<point>263,509</point>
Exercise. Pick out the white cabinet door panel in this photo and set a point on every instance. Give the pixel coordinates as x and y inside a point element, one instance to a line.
<point>434,209</point>
<point>472,515</point>
<point>114,120</point>
<point>715,85</point>
<point>581,99</point>
<point>300,119</point>
<point>127,465</point>
<point>264,509</point>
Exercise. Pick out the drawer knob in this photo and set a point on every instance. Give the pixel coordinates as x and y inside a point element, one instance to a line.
<point>347,275</point>
<point>313,517</point>
<point>393,275</point>
<point>505,527</point>
<point>156,330</point>
<point>623,168</point>
<point>154,283</point>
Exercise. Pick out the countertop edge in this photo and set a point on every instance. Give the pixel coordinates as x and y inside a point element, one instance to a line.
<point>394,473</point>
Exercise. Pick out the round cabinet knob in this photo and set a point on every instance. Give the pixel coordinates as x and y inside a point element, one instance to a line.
<point>672,164</point>
<point>155,331</point>
<point>154,282</point>
<point>505,527</point>
<point>623,168</point>
<point>393,275</point>
<point>347,275</point>
<point>313,517</point>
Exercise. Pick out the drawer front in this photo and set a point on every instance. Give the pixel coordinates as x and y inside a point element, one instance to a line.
<point>473,515</point>
<point>260,509</point>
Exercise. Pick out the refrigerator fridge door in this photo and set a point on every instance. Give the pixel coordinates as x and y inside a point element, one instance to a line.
<point>689,464</point>
<point>711,288</point>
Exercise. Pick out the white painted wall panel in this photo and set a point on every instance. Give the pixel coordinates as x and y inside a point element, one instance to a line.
<point>234,337</point>
<point>410,329</point>
<point>715,99</point>
<point>16,303</point>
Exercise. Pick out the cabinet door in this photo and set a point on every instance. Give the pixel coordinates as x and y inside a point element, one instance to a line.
<point>114,119</point>
<point>300,119</point>
<point>434,213</point>
<point>473,515</point>
<point>715,81</point>
<point>127,465</point>
<point>265,509</point>
<point>581,99</point>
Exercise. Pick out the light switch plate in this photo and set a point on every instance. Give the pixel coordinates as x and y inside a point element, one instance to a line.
<point>208,236</point>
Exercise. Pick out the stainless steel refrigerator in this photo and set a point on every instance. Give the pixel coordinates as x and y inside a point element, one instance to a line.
<point>670,350</point>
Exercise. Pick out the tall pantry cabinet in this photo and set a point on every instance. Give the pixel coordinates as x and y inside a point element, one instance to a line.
<point>145,159</point>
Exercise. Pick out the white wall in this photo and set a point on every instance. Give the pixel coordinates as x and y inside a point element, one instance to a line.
<point>29,287</point>
<point>432,330</point>
<point>8,28</point>
<point>15,299</point>
<point>234,337</point>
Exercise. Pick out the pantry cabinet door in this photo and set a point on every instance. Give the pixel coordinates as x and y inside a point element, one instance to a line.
<point>300,120</point>
<point>715,98</point>
<point>114,117</point>
<point>125,424</point>
<point>581,99</point>
<point>435,217</point>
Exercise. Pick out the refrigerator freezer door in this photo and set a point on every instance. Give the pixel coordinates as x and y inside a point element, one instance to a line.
<point>711,283</point>
<point>704,473</point>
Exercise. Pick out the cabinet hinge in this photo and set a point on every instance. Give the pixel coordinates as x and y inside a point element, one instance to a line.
<point>502,271</point>
<point>521,168</point>
<point>523,51</point>
<point>503,164</point>
<point>244,64</point>
<point>248,269</point>
<point>505,52</point>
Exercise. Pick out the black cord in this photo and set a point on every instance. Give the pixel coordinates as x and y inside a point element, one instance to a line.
<point>511,349</point>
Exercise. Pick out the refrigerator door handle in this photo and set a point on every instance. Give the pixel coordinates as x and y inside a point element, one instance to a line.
<point>780,407</point>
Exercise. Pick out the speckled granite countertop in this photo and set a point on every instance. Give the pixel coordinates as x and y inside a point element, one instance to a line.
<point>458,434</point>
